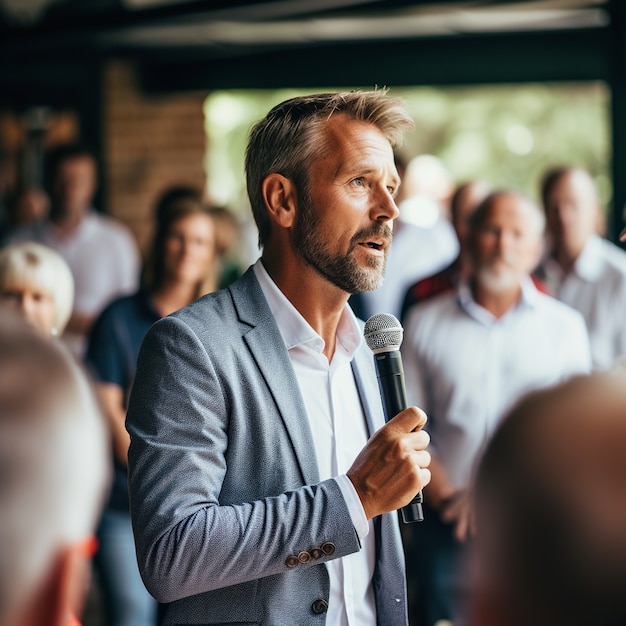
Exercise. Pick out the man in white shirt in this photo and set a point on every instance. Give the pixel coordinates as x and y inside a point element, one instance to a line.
<point>468,355</point>
<point>101,252</point>
<point>263,480</point>
<point>581,268</point>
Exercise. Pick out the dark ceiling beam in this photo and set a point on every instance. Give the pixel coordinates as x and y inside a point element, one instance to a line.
<point>502,58</point>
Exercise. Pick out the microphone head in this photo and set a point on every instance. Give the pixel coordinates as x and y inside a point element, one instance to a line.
<point>383,333</point>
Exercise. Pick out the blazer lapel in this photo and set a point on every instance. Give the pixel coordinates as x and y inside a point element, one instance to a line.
<point>268,350</point>
<point>367,384</point>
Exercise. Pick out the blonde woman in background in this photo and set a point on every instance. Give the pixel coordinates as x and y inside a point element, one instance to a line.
<point>37,282</point>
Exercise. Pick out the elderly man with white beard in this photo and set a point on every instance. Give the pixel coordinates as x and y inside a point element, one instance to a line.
<point>468,356</point>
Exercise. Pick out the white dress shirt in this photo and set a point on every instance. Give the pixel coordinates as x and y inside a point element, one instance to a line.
<point>339,431</point>
<point>465,367</point>
<point>596,287</point>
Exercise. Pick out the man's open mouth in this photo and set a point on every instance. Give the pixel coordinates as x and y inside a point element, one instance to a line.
<point>375,245</point>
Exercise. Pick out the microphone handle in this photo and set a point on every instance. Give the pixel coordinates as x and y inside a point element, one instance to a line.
<point>393,393</point>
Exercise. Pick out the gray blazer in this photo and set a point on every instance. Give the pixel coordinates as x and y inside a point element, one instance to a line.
<point>231,521</point>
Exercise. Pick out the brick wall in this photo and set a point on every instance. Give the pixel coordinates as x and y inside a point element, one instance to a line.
<point>149,143</point>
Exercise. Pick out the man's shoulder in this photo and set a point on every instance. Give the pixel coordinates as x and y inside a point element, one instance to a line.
<point>227,307</point>
<point>27,233</point>
<point>548,306</point>
<point>614,257</point>
<point>108,226</point>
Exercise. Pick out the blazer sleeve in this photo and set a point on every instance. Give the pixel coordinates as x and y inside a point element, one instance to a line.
<point>191,538</point>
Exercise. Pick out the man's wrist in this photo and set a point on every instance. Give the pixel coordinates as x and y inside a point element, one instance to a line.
<point>355,507</point>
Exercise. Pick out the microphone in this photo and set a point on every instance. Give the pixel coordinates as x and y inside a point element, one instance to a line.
<point>383,334</point>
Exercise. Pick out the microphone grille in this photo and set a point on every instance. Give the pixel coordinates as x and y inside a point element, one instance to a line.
<point>383,331</point>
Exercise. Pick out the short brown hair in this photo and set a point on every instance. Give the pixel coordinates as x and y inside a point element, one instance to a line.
<point>286,141</point>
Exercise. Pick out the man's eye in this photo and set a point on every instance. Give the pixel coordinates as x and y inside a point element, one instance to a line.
<point>359,182</point>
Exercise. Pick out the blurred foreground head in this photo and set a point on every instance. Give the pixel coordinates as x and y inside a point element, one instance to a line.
<point>54,473</point>
<point>551,509</point>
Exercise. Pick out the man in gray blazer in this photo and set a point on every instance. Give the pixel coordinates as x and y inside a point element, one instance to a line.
<point>263,480</point>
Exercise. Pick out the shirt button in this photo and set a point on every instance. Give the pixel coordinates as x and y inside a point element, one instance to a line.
<point>319,607</point>
<point>328,548</point>
<point>292,561</point>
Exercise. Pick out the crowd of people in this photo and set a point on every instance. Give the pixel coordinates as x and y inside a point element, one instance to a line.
<point>221,453</point>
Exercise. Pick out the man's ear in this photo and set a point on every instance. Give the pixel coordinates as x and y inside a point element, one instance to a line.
<point>280,198</point>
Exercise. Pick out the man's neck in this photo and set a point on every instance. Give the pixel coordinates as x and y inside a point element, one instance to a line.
<point>496,302</point>
<point>67,223</point>
<point>566,258</point>
<point>319,302</point>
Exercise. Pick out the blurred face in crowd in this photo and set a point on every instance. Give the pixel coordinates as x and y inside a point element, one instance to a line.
<point>343,229</point>
<point>469,198</point>
<point>190,248</point>
<point>74,186</point>
<point>33,303</point>
<point>572,211</point>
<point>506,243</point>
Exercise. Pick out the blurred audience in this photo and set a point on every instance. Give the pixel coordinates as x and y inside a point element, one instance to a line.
<point>228,237</point>
<point>55,472</point>
<point>424,241</point>
<point>27,206</point>
<point>550,506</point>
<point>37,282</point>
<point>468,355</point>
<point>581,268</point>
<point>466,197</point>
<point>101,252</point>
<point>180,268</point>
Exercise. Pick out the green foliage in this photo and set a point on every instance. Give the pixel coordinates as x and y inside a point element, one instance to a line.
<point>508,135</point>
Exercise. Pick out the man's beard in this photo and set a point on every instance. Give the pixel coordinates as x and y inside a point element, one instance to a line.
<point>343,271</point>
<point>497,276</point>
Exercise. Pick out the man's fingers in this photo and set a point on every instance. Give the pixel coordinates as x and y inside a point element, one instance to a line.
<point>408,420</point>
<point>418,440</point>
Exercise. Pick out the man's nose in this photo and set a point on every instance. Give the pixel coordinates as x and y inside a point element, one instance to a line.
<point>386,208</point>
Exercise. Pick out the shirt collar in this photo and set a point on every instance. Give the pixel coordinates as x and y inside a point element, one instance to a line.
<point>295,330</point>
<point>528,299</point>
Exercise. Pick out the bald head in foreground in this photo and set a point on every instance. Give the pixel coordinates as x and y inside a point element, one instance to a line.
<point>552,524</point>
<point>54,473</point>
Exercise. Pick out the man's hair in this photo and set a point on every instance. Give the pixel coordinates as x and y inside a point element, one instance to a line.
<point>551,504</point>
<point>54,459</point>
<point>43,268</point>
<point>552,176</point>
<point>288,139</point>
<point>479,216</point>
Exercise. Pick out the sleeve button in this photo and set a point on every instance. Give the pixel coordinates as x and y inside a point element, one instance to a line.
<point>328,548</point>
<point>319,607</point>
<point>316,553</point>
<point>292,561</point>
<point>304,557</point>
